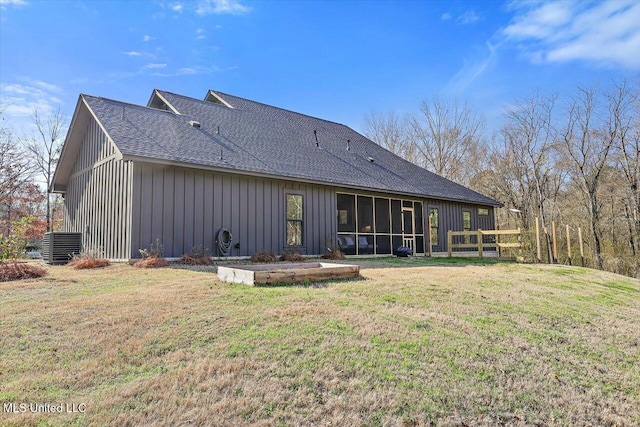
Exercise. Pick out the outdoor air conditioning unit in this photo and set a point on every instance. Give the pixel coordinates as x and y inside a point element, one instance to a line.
<point>59,247</point>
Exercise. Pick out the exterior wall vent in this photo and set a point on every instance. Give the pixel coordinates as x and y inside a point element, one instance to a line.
<point>194,124</point>
<point>59,247</point>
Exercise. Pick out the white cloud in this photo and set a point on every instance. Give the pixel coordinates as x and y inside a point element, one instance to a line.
<point>189,71</point>
<point>473,69</point>
<point>200,34</point>
<point>18,3</point>
<point>468,17</point>
<point>46,86</point>
<point>132,53</point>
<point>604,33</point>
<point>154,66</point>
<point>186,71</point>
<point>219,7</point>
<point>177,7</point>
<point>147,38</point>
<point>21,100</point>
<point>445,16</point>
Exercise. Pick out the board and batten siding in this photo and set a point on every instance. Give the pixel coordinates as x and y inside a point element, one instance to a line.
<point>450,218</point>
<point>183,208</point>
<point>98,197</point>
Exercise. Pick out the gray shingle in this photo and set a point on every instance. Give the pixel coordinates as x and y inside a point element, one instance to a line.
<point>258,138</point>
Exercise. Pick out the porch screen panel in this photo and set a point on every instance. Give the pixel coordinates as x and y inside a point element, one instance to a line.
<point>383,219</point>
<point>396,216</point>
<point>346,213</point>
<point>365,214</point>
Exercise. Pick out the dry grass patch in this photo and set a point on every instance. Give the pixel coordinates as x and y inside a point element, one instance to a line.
<point>463,345</point>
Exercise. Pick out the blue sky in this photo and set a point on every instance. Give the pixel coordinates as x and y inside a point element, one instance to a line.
<point>336,60</point>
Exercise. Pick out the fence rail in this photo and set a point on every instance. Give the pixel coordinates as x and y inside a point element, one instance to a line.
<point>480,245</point>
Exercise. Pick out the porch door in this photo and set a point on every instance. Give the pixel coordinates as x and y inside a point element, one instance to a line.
<point>408,229</point>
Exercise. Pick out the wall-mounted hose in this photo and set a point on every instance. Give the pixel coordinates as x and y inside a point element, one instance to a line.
<point>223,239</point>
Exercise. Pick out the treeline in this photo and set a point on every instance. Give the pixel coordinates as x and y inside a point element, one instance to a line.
<point>27,164</point>
<point>574,161</point>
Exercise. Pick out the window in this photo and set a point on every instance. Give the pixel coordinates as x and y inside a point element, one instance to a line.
<point>483,211</point>
<point>294,219</point>
<point>433,222</point>
<point>466,220</point>
<point>466,224</point>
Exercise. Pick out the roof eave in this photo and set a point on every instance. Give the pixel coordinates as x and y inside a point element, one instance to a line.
<point>244,172</point>
<point>72,145</point>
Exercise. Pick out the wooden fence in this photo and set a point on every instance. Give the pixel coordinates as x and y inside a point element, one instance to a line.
<point>480,244</point>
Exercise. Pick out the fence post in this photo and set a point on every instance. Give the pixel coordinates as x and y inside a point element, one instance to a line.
<point>538,249</point>
<point>569,244</point>
<point>521,241</point>
<point>479,243</point>
<point>555,241</point>
<point>581,247</point>
<point>449,242</point>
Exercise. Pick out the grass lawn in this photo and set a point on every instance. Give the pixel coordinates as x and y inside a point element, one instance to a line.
<point>413,343</point>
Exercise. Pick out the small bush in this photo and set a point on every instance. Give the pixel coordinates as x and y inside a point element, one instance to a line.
<point>13,270</point>
<point>292,257</point>
<point>334,253</point>
<point>151,262</point>
<point>88,260</point>
<point>198,256</point>
<point>152,257</point>
<point>264,256</point>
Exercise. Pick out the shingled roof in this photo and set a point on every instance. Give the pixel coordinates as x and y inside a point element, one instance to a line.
<point>244,136</point>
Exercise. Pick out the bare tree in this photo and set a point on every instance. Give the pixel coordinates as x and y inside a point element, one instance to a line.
<point>530,143</point>
<point>391,132</point>
<point>448,138</point>
<point>592,131</point>
<point>627,117</point>
<point>45,149</point>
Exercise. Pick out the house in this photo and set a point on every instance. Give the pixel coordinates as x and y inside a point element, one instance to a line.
<point>180,169</point>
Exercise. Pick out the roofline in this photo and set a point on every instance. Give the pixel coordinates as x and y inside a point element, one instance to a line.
<point>189,165</point>
<point>218,97</point>
<point>65,146</point>
<point>157,92</point>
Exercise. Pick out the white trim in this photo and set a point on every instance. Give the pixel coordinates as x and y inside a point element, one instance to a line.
<point>93,115</point>
<point>168,104</point>
<point>218,97</point>
<point>114,156</point>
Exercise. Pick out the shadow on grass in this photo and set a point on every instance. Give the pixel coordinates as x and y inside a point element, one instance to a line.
<point>307,284</point>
